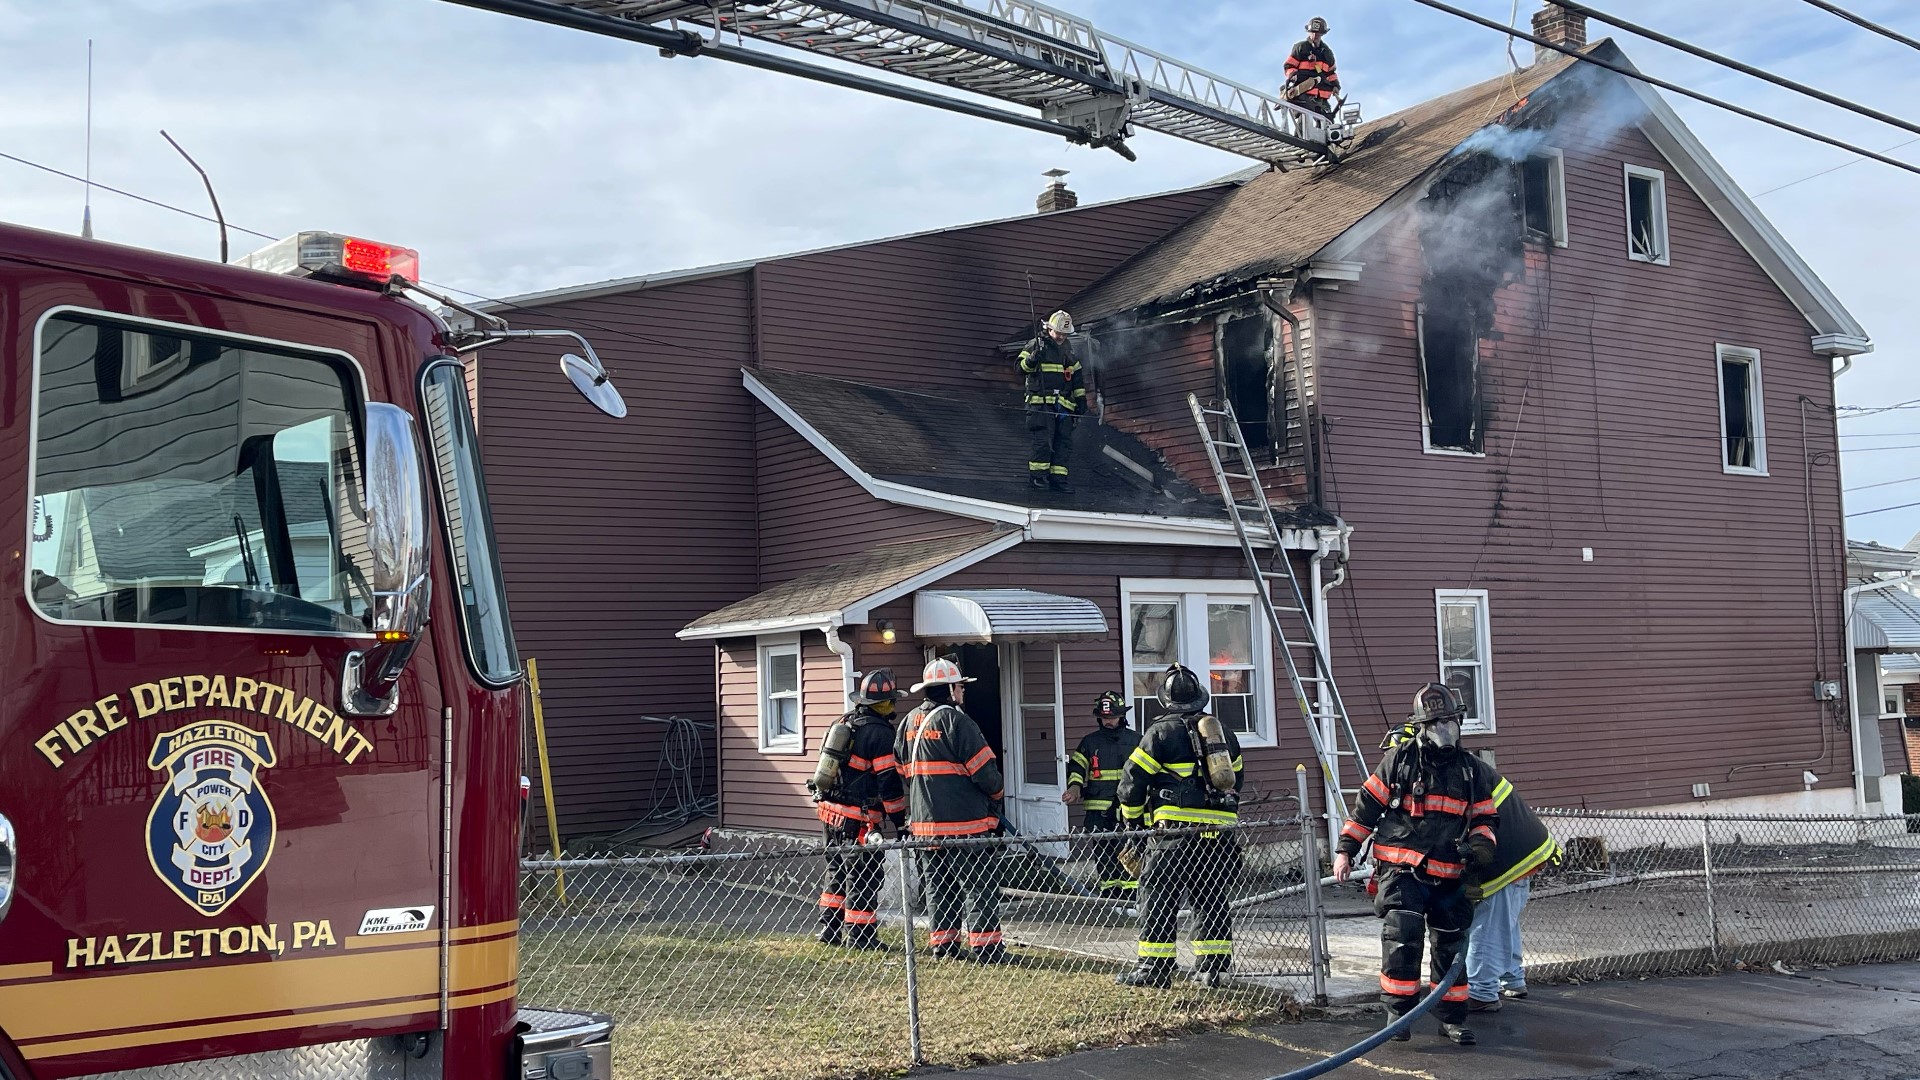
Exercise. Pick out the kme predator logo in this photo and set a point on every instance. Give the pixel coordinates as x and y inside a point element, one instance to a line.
<point>211,830</point>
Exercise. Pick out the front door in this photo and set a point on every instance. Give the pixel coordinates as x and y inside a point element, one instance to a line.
<point>1036,758</point>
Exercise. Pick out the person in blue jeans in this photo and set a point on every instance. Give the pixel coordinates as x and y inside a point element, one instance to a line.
<point>1494,966</point>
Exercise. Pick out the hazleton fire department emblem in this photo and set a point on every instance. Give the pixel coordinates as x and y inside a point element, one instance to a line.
<point>211,830</point>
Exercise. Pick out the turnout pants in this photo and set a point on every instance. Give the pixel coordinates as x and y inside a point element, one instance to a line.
<point>1114,879</point>
<point>1200,868</point>
<point>1412,905</point>
<point>851,891</point>
<point>963,892</point>
<point>1052,436</point>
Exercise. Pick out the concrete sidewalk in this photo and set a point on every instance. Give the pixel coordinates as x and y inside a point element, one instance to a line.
<point>1861,1023</point>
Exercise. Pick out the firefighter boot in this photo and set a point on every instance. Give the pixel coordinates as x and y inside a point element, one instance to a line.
<point>865,938</point>
<point>1211,971</point>
<point>995,953</point>
<point>829,932</point>
<point>1154,972</point>
<point>1459,1034</point>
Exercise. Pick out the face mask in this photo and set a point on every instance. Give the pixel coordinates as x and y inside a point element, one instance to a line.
<point>884,708</point>
<point>1442,734</point>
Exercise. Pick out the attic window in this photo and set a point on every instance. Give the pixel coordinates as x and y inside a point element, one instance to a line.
<point>1246,376</point>
<point>1449,384</point>
<point>1543,191</point>
<point>1646,215</point>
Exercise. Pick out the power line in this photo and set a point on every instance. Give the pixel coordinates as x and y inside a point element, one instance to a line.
<point>1884,483</point>
<point>1744,68</point>
<point>1664,84</point>
<point>1883,509</point>
<point>1836,168</point>
<point>1859,21</point>
<point>131,195</point>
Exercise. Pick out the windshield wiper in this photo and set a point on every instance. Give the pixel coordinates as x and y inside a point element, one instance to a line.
<point>246,553</point>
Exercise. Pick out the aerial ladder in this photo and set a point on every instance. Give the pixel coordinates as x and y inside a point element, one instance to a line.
<point>1087,85</point>
<point>1301,641</point>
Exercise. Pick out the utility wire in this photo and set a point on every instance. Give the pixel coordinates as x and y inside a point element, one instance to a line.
<point>1883,509</point>
<point>1859,21</point>
<point>1836,168</point>
<point>131,195</point>
<point>1674,87</point>
<point>1743,68</point>
<point>1884,483</point>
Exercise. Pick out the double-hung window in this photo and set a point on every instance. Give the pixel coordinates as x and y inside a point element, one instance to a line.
<point>1743,430</point>
<point>1647,215</point>
<point>1212,627</point>
<point>1466,653</point>
<point>780,730</point>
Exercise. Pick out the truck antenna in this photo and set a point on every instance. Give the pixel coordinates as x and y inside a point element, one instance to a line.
<point>218,217</point>
<point>86,204</point>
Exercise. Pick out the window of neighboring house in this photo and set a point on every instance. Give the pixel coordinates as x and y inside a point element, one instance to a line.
<point>1466,653</point>
<point>1646,215</point>
<point>1890,703</point>
<point>1543,192</point>
<point>1743,437</point>
<point>1213,627</point>
<point>1449,384</point>
<point>1246,375</point>
<point>780,697</point>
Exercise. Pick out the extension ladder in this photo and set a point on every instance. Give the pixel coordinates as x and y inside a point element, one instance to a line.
<point>1302,645</point>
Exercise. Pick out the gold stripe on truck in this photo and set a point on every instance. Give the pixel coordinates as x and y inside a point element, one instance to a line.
<point>192,1003</point>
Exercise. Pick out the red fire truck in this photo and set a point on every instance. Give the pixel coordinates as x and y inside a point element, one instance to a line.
<point>260,712</point>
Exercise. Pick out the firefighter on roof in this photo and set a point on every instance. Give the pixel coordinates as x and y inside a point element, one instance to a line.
<point>1431,814</point>
<point>1093,778</point>
<point>1055,399</point>
<point>954,790</point>
<point>855,788</point>
<point>1311,80</point>
<point>1183,777</point>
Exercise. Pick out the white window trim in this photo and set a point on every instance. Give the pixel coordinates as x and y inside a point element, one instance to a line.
<point>1426,414</point>
<point>770,646</point>
<point>1757,392</point>
<point>1557,192</point>
<point>1191,594</point>
<point>1660,237</point>
<point>1485,726</point>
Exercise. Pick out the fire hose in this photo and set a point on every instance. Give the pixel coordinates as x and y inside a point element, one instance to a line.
<point>1400,1024</point>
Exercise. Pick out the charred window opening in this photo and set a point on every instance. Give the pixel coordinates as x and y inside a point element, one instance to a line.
<point>1247,380</point>
<point>1743,439</point>
<point>1450,382</point>
<point>1646,215</point>
<point>1471,226</point>
<point>1543,197</point>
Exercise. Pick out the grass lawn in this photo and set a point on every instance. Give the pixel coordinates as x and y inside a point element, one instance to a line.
<point>694,1004</point>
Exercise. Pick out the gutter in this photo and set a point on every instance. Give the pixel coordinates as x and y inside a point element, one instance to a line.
<point>1853,593</point>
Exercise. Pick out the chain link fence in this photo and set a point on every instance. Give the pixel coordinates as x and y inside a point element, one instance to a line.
<point>711,965</point>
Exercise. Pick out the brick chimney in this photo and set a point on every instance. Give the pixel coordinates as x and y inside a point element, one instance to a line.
<point>1057,196</point>
<point>1560,26</point>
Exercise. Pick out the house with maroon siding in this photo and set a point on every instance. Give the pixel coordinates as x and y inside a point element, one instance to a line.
<point>1546,402</point>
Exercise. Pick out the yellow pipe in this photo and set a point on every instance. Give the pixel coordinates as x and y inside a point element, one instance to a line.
<point>546,777</point>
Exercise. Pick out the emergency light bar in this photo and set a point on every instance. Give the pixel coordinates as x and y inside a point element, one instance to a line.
<point>349,260</point>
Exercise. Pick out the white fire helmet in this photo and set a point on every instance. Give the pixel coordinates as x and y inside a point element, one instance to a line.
<point>940,672</point>
<point>1060,322</point>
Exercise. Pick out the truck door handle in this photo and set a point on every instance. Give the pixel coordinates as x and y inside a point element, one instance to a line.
<point>6,865</point>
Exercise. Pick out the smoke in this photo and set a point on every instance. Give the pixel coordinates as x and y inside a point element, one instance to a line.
<point>1117,340</point>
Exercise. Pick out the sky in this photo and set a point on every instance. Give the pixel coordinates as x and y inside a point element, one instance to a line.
<point>517,157</point>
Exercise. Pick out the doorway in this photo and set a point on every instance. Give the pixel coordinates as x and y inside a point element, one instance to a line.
<point>982,662</point>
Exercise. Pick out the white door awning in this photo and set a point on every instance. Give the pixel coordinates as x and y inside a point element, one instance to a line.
<point>1004,615</point>
<point>1887,621</point>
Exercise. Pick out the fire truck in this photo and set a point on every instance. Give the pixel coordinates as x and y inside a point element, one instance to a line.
<point>260,709</point>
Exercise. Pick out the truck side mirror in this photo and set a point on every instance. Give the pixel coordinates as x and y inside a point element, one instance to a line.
<point>396,508</point>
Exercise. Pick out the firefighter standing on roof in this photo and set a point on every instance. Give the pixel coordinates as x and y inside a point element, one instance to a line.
<point>1055,398</point>
<point>954,791</point>
<point>1183,777</point>
<point>1430,813</point>
<point>1093,779</point>
<point>855,788</point>
<point>1311,80</point>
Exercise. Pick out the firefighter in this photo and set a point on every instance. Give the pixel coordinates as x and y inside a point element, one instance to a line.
<point>1183,777</point>
<point>954,790</point>
<point>1430,812</point>
<point>856,788</point>
<point>1311,80</point>
<point>1093,777</point>
<point>1055,399</point>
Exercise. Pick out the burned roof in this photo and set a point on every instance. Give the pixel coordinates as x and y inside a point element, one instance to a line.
<point>1278,220</point>
<point>976,445</point>
<point>831,589</point>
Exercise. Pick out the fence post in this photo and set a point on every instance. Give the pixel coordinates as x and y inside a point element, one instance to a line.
<point>1706,862</point>
<point>913,974</point>
<point>1310,875</point>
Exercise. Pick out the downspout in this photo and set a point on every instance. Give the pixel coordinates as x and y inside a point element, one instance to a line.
<point>844,651</point>
<point>1852,684</point>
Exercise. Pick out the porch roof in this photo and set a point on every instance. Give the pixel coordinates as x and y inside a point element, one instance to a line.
<point>1886,621</point>
<point>970,615</point>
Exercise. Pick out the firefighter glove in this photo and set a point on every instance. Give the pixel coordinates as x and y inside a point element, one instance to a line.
<point>1480,852</point>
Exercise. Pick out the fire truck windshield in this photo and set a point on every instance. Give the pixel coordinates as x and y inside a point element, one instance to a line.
<point>181,478</point>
